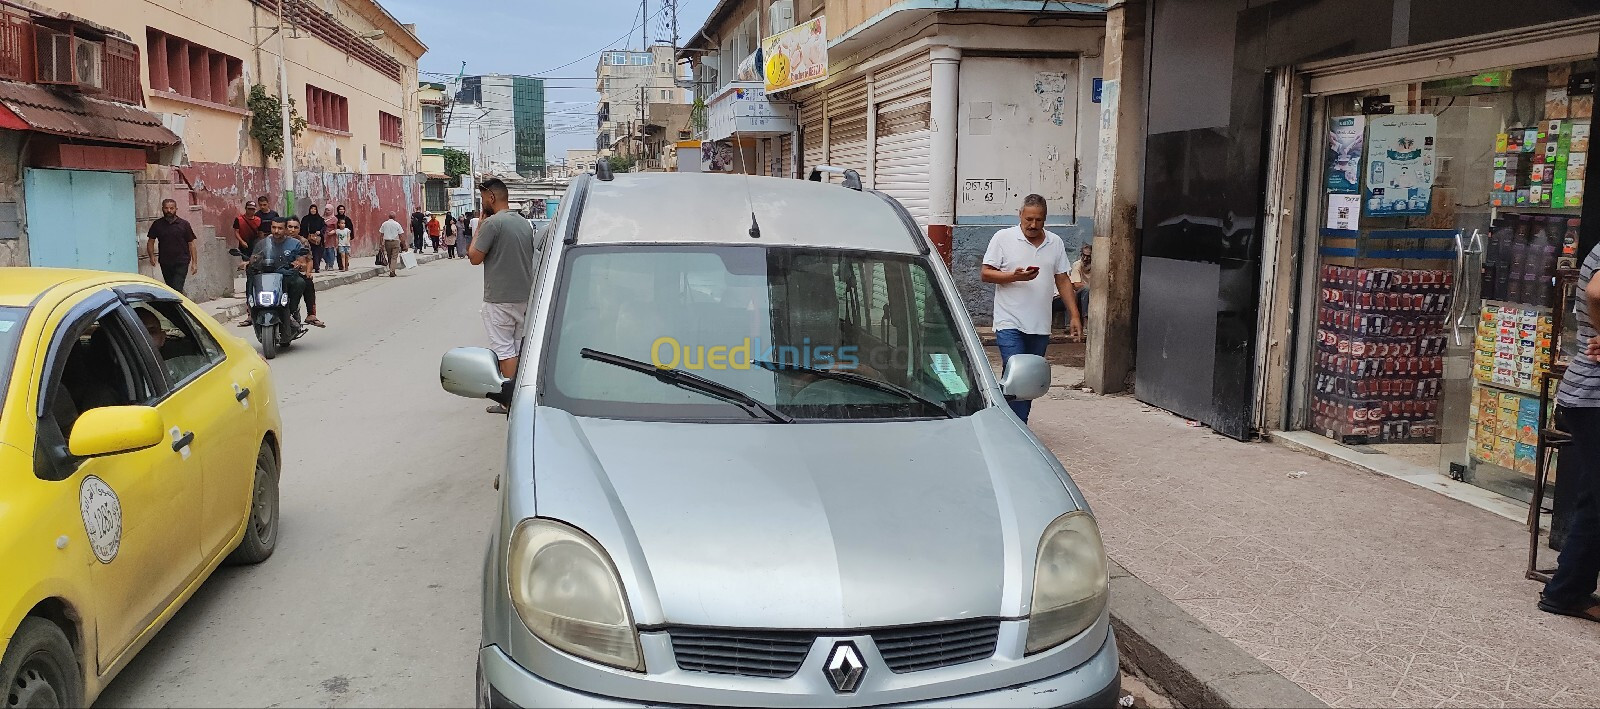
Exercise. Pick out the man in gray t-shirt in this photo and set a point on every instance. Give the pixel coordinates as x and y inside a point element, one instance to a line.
<point>506,246</point>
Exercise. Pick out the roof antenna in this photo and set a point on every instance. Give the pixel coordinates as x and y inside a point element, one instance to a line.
<point>738,151</point>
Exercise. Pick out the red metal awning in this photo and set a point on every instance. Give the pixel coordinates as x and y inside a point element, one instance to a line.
<point>36,108</point>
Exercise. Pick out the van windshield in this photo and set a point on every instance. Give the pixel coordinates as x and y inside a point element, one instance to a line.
<point>796,329</point>
<point>11,320</point>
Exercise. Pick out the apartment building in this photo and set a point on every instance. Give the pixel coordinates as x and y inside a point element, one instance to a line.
<point>143,100</point>
<point>630,83</point>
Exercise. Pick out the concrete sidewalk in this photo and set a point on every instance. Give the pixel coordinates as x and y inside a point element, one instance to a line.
<point>229,309</point>
<point>1363,589</point>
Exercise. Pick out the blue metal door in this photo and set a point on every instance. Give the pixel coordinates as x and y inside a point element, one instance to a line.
<point>81,219</point>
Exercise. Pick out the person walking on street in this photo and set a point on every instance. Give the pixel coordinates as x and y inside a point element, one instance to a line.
<point>331,253</point>
<point>392,246</point>
<point>449,238</point>
<point>434,227</point>
<point>1022,300</point>
<point>246,229</point>
<point>171,246</point>
<point>505,245</point>
<point>419,227</point>
<point>342,237</point>
<point>1571,589</point>
<point>267,214</point>
<point>315,230</point>
<point>469,221</point>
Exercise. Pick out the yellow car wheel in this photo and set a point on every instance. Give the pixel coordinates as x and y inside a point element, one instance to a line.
<point>261,529</point>
<point>39,668</point>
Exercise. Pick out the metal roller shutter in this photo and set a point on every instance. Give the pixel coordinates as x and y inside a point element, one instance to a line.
<point>786,160</point>
<point>811,138</point>
<point>847,127</point>
<point>904,136</point>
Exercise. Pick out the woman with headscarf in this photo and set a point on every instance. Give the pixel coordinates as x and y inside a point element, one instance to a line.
<point>315,231</point>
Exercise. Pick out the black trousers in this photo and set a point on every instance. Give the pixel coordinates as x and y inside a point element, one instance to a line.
<point>1578,567</point>
<point>416,241</point>
<point>174,275</point>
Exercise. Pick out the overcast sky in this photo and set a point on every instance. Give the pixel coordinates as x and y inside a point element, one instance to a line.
<point>537,37</point>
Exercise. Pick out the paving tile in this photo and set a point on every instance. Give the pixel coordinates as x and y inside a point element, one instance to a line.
<point>1365,590</point>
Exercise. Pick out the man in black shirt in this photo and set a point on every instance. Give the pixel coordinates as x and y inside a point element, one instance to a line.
<point>171,246</point>
<point>267,213</point>
<point>419,226</point>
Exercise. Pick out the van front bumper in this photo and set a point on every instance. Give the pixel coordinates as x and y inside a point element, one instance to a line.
<point>1095,683</point>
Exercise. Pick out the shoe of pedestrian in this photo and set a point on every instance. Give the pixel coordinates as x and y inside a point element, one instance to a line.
<point>497,409</point>
<point>1589,610</point>
<point>391,274</point>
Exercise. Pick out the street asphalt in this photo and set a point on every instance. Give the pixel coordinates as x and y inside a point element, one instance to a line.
<point>372,597</point>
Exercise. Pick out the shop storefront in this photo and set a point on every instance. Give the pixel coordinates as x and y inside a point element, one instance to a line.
<point>1441,191</point>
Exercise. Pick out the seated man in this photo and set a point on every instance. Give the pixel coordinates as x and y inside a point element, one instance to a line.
<point>303,265</point>
<point>178,362</point>
<point>278,254</point>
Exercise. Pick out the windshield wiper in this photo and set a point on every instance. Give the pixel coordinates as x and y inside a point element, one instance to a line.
<point>692,382</point>
<point>859,380</point>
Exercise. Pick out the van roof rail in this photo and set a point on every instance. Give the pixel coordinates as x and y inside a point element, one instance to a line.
<point>852,179</point>
<point>580,195</point>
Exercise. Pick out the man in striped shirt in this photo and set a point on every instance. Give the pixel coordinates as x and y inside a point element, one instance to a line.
<point>1571,589</point>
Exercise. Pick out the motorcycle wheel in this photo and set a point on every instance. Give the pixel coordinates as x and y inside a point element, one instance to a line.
<point>269,341</point>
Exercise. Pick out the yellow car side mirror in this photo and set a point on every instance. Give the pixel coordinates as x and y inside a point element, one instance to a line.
<point>110,430</point>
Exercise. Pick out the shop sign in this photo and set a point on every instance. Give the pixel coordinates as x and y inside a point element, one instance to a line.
<point>743,108</point>
<point>796,56</point>
<point>1346,135</point>
<point>1400,165</point>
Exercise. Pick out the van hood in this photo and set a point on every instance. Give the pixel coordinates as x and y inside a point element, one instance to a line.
<point>807,525</point>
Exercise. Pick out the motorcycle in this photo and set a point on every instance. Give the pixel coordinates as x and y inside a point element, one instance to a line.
<point>275,324</point>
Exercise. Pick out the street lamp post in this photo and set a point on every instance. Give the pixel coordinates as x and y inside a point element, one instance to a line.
<point>286,165</point>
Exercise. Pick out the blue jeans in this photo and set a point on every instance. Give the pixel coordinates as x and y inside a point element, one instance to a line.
<point>1014,342</point>
<point>1578,567</point>
<point>330,256</point>
<point>1083,305</point>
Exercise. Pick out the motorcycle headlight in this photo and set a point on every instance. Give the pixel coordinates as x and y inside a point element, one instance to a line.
<point>566,590</point>
<point>1069,581</point>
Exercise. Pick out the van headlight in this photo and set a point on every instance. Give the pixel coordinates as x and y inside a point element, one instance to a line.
<point>1069,581</point>
<point>567,592</point>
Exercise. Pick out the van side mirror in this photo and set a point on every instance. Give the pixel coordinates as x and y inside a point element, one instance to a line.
<point>472,372</point>
<point>1027,377</point>
<point>109,430</point>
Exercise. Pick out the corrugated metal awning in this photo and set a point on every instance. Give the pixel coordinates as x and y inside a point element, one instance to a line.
<point>37,108</point>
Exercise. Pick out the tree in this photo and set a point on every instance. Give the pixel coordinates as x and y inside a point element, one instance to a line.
<point>266,121</point>
<point>620,163</point>
<point>456,164</point>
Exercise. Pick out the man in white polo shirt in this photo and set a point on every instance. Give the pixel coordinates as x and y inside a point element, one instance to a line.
<point>1017,256</point>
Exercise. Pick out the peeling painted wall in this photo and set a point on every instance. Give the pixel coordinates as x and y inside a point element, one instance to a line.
<point>221,191</point>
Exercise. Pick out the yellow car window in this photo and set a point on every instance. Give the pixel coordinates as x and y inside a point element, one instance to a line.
<point>11,320</point>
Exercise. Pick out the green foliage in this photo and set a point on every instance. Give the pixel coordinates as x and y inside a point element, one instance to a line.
<point>697,115</point>
<point>456,164</point>
<point>266,121</point>
<point>620,163</point>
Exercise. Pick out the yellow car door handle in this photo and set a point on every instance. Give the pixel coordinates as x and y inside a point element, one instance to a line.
<point>240,394</point>
<point>183,441</point>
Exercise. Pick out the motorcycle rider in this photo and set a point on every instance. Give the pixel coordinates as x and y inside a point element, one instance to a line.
<point>278,254</point>
<point>303,265</point>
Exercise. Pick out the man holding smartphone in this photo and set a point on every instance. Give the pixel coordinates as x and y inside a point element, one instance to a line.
<point>1022,300</point>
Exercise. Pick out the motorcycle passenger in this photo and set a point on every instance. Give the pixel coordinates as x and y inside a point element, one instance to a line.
<point>304,265</point>
<point>278,254</point>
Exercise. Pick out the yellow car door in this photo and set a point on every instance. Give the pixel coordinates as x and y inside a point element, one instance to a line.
<point>209,398</point>
<point>141,509</point>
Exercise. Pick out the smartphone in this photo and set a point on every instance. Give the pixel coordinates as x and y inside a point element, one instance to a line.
<point>1032,269</point>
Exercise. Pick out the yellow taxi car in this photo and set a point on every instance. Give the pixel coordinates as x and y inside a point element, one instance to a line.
<point>139,449</point>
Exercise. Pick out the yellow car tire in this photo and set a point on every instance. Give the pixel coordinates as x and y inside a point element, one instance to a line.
<point>39,668</point>
<point>261,527</point>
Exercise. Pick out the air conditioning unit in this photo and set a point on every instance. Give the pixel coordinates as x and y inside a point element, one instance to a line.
<point>87,59</point>
<point>53,50</point>
<point>781,16</point>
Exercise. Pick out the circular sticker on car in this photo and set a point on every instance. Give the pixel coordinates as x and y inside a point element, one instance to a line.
<point>102,517</point>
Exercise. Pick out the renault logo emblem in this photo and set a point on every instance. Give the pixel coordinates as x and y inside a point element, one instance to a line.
<point>845,668</point>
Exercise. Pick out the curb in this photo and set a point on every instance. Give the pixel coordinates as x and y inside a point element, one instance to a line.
<point>225,310</point>
<point>1188,662</point>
